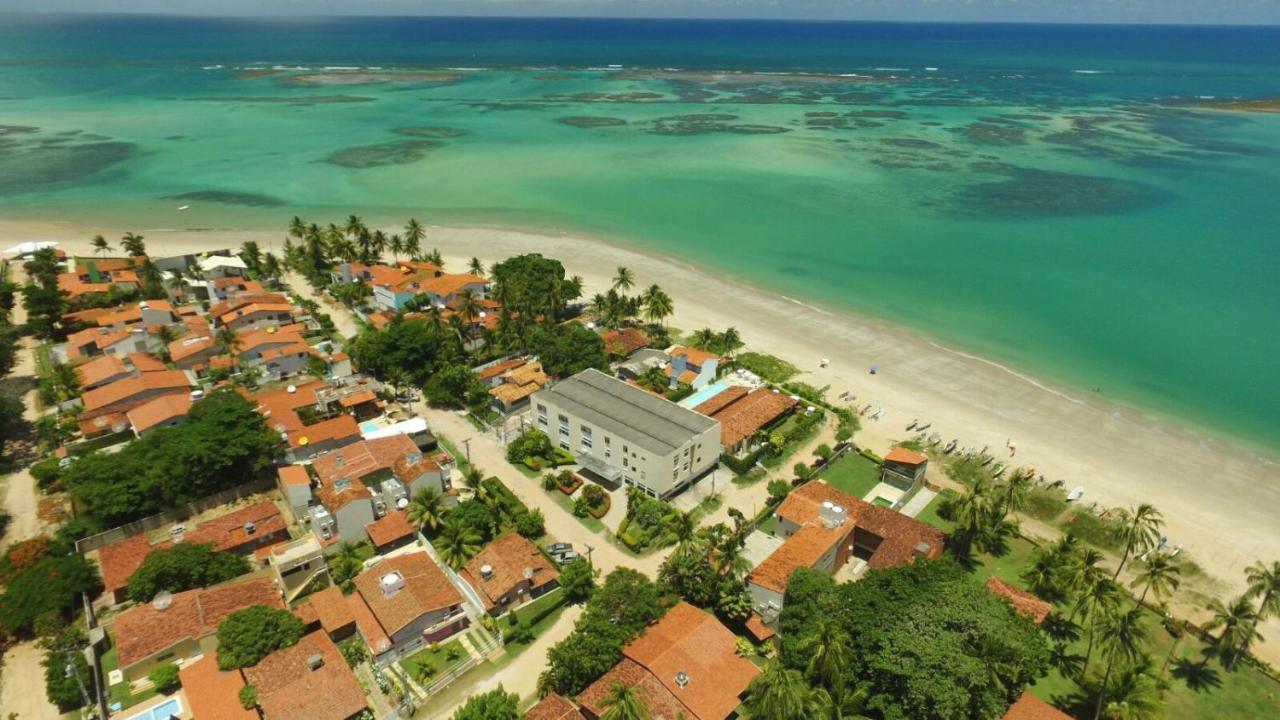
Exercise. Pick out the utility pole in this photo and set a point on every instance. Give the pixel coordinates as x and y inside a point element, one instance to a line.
<point>590,550</point>
<point>466,443</point>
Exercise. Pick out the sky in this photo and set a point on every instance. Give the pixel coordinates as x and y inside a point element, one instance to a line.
<point>1244,12</point>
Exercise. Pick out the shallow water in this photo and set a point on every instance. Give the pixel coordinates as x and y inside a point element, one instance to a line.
<point>1084,226</point>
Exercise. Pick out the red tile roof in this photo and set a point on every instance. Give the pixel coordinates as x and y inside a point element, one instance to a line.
<point>213,693</point>
<point>554,707</point>
<point>227,533</point>
<point>660,702</point>
<point>332,609</point>
<point>146,362</point>
<point>743,413</point>
<point>1024,603</point>
<point>390,528</point>
<point>426,589</point>
<point>162,409</point>
<point>122,391</point>
<point>142,630</point>
<point>694,356</point>
<point>509,559</point>
<point>362,458</point>
<point>904,456</point>
<point>692,641</point>
<point>624,341</point>
<point>289,689</point>
<point>1030,707</point>
<point>120,559</point>
<point>100,369</point>
<point>294,475</point>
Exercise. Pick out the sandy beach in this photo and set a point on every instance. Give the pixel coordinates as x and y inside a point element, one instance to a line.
<point>1218,496</point>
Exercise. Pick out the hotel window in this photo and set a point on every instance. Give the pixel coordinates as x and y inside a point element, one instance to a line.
<point>586,431</point>
<point>586,443</point>
<point>607,453</point>
<point>542,410</point>
<point>564,445</point>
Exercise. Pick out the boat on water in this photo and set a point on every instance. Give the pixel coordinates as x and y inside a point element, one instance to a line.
<point>1076,493</point>
<point>925,426</point>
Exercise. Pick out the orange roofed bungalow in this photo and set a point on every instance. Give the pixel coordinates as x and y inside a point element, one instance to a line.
<point>825,528</point>
<point>904,469</point>
<point>309,680</point>
<point>403,603</point>
<point>686,664</point>
<point>743,413</point>
<point>106,406</point>
<point>509,572</point>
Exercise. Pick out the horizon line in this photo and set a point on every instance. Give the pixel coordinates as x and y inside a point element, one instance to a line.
<point>670,18</point>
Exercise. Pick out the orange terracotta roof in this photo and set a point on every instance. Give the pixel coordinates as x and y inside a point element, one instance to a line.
<point>745,414</point>
<point>341,427</point>
<point>426,589</point>
<point>1030,707</point>
<point>722,400</point>
<point>289,689</point>
<point>71,284</point>
<point>389,528</point>
<point>625,341</point>
<point>1024,603</point>
<point>497,369</point>
<point>255,308</point>
<point>332,610</point>
<point>213,693</point>
<point>509,393</point>
<point>694,356</point>
<point>448,284</point>
<point>509,558</point>
<point>89,315</point>
<point>227,533</point>
<point>370,629</point>
<point>902,538</point>
<point>239,300</point>
<point>692,641</point>
<point>100,369</point>
<point>362,458</point>
<point>553,706</point>
<point>660,702</point>
<point>122,390</point>
<point>162,409</point>
<point>120,559</point>
<point>252,339</point>
<point>186,347</point>
<point>357,399</point>
<point>906,457</point>
<point>106,265</point>
<point>758,629</point>
<point>142,630</point>
<point>102,422</point>
<point>294,475</point>
<point>146,362</point>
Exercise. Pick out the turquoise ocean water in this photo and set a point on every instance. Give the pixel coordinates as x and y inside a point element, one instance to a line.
<point>1043,196</point>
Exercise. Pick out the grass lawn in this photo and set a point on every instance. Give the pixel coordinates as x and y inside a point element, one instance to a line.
<point>437,658</point>
<point>852,474</point>
<point>930,513</point>
<point>566,502</point>
<point>120,693</point>
<point>1245,693</point>
<point>769,524</point>
<point>795,444</point>
<point>775,370</point>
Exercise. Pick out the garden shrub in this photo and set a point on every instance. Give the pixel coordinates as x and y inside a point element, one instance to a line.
<point>1096,531</point>
<point>1045,503</point>
<point>164,677</point>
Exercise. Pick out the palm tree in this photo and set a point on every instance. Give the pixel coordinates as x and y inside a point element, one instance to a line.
<point>457,544</point>
<point>177,282</point>
<point>297,227</point>
<point>1239,624</point>
<point>1140,531</point>
<point>704,339</point>
<point>377,244</point>
<point>778,694</point>
<point>655,378</point>
<point>65,381</point>
<point>426,509</point>
<point>1135,695</point>
<point>346,562</point>
<point>435,258</point>
<point>132,244</point>
<point>679,529</point>
<point>1125,638</point>
<point>730,341</point>
<point>1044,576</point>
<point>624,280</point>
<point>228,339</point>
<point>100,245</point>
<point>1015,491</point>
<point>1264,583</point>
<point>355,226</point>
<point>271,266</point>
<point>413,236</point>
<point>468,305</point>
<point>475,267</point>
<point>657,304</point>
<point>624,702</point>
<point>827,651</point>
<point>841,703</point>
<point>1098,602</point>
<point>1085,571</point>
<point>1158,576</point>
<point>396,246</point>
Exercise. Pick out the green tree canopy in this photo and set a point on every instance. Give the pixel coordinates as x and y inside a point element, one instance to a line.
<point>927,641</point>
<point>493,705</point>
<point>531,286</point>
<point>246,636</point>
<point>617,612</point>
<point>223,443</point>
<point>416,345</point>
<point>566,350</point>
<point>49,586</point>
<point>183,567</point>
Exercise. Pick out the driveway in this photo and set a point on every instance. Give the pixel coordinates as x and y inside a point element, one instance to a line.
<point>22,685</point>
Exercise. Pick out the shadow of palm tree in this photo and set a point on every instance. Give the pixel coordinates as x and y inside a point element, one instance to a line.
<point>1198,676</point>
<point>1060,628</point>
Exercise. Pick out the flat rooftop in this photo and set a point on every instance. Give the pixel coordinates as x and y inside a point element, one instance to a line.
<point>655,424</point>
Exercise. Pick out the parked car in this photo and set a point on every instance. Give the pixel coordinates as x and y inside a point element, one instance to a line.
<point>557,548</point>
<point>566,556</point>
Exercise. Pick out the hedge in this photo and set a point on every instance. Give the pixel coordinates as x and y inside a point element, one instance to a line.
<point>743,465</point>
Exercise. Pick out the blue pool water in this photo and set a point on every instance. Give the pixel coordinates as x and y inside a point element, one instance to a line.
<point>171,708</point>
<point>369,426</point>
<point>704,394</point>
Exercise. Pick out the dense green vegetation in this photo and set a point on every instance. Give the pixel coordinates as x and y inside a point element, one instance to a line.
<point>493,705</point>
<point>924,641</point>
<point>568,349</point>
<point>42,581</point>
<point>246,636</point>
<point>183,567</point>
<point>223,443</point>
<point>707,567</point>
<point>617,612</point>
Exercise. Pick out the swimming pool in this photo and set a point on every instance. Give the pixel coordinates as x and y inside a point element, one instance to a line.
<point>704,394</point>
<point>369,426</point>
<point>171,708</point>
